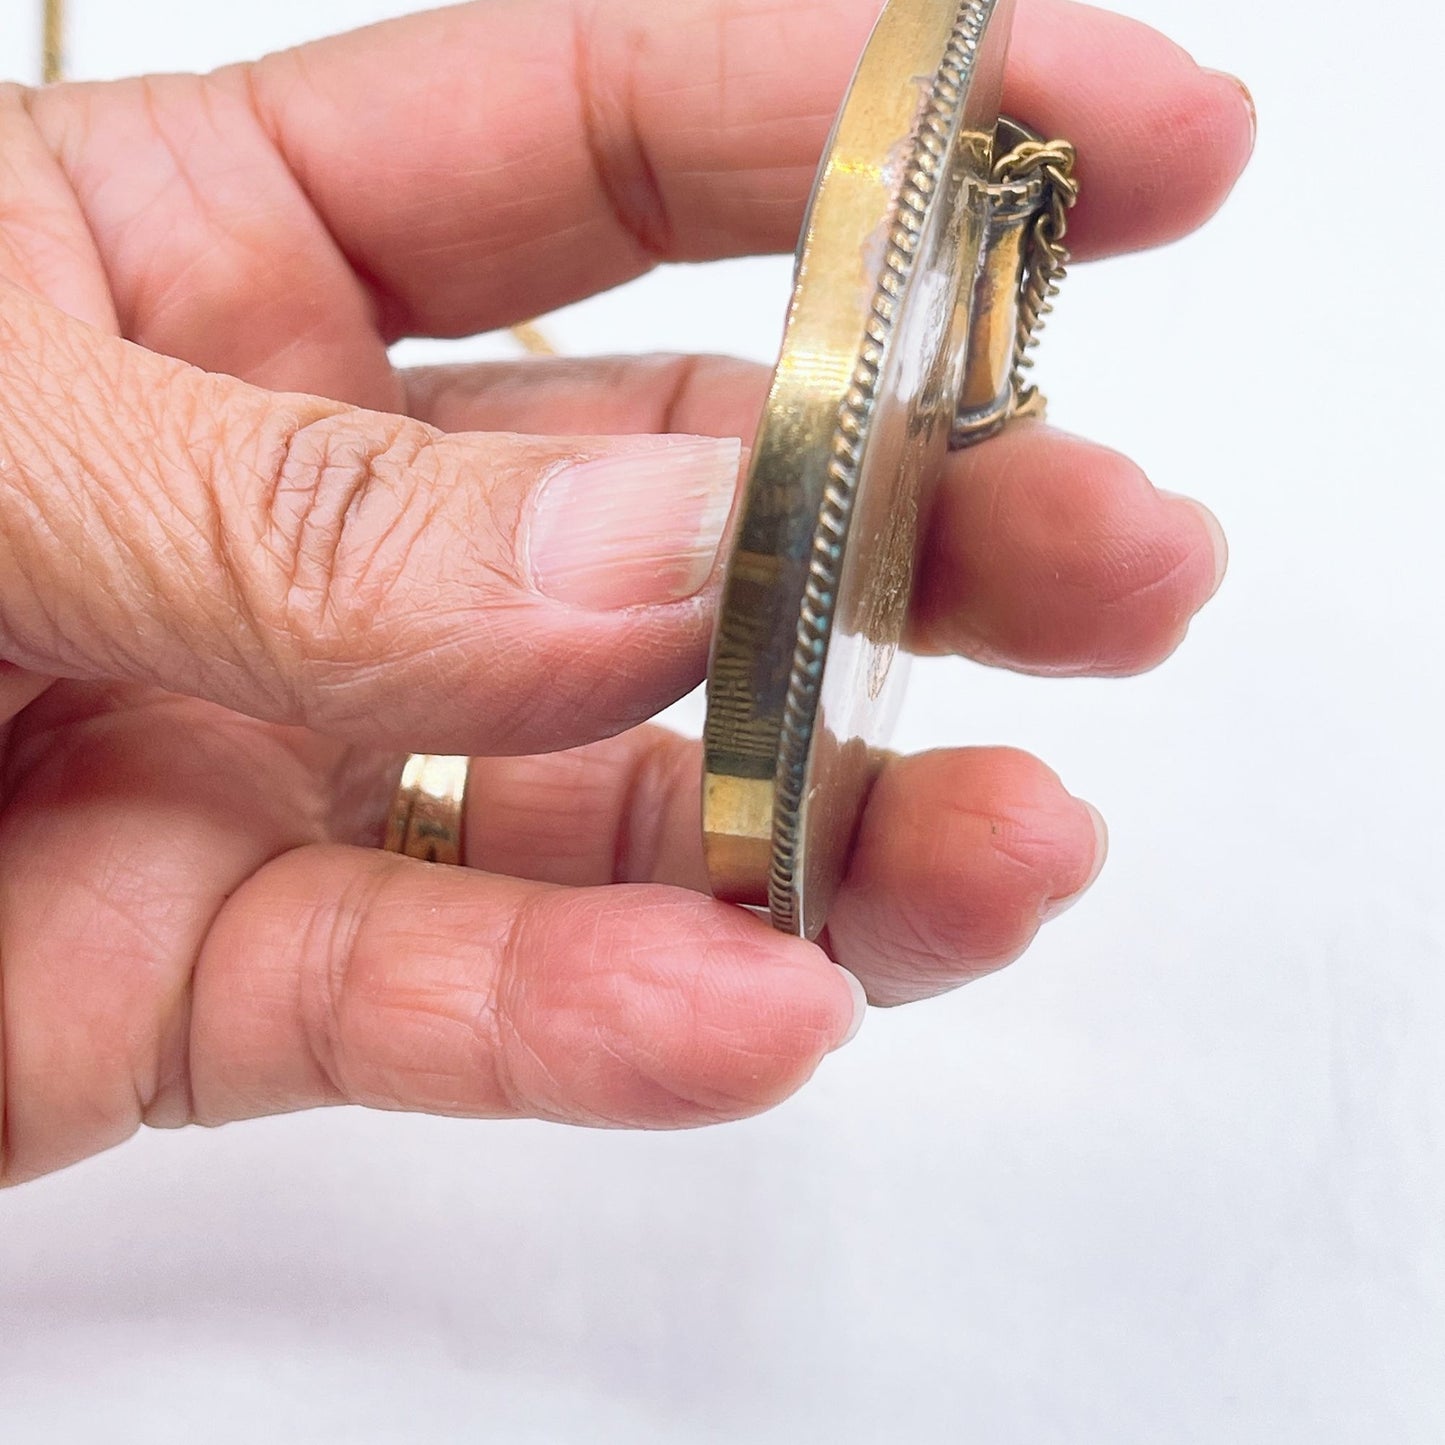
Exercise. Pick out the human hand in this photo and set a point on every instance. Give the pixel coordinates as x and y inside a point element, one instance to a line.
<point>258,600</point>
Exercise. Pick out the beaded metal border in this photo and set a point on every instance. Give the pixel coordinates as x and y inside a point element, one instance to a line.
<point>815,625</point>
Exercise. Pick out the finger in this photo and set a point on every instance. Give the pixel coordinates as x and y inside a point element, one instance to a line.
<point>130,817</point>
<point>45,244</point>
<point>177,947</point>
<point>18,689</point>
<point>1052,555</point>
<point>619,142</point>
<point>609,395</point>
<point>359,573</point>
<point>960,858</point>
<point>1045,553</point>
<point>46,248</point>
<point>163,206</point>
<point>351,976</point>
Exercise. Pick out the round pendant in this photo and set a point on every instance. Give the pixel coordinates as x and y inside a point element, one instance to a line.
<point>807,668</point>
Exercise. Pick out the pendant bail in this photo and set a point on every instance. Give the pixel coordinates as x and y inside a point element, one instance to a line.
<point>1022,266</point>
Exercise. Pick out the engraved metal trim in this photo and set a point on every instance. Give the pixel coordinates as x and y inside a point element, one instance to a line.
<point>931,245</point>
<point>816,619</point>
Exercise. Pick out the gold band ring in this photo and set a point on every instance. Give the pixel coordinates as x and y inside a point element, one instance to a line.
<point>428,814</point>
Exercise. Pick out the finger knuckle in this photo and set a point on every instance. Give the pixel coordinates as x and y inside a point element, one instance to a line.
<point>343,508</point>
<point>601,1018</point>
<point>612,129</point>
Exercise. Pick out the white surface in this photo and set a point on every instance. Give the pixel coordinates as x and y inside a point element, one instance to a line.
<point>1179,1177</point>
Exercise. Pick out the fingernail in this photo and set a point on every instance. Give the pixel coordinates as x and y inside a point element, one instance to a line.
<point>641,528</point>
<point>1061,906</point>
<point>1244,90</point>
<point>860,1007</point>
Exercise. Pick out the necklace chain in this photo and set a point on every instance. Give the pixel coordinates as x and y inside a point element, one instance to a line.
<point>1046,260</point>
<point>52,52</point>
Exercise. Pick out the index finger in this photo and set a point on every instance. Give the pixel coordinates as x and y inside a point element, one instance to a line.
<point>495,160</point>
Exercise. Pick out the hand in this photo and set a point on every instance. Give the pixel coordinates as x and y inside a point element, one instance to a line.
<point>258,600</point>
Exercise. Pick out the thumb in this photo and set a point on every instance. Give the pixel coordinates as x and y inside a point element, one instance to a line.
<point>362,574</point>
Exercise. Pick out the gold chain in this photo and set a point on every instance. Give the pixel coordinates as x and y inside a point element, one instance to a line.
<point>52,54</point>
<point>1050,163</point>
<point>532,339</point>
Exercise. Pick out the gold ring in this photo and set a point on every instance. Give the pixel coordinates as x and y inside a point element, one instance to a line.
<point>428,814</point>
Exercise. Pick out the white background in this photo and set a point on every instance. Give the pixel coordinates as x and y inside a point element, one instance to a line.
<point>1179,1177</point>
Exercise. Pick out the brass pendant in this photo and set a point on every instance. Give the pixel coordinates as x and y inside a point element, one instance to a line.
<point>926,265</point>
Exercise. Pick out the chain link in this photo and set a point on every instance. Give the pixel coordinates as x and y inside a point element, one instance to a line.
<point>1051,165</point>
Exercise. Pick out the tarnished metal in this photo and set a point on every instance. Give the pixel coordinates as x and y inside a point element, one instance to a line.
<point>1025,262</point>
<point>923,273</point>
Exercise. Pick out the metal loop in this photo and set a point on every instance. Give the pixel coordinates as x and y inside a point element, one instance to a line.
<point>1047,260</point>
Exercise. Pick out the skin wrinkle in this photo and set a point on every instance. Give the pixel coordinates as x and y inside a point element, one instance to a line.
<point>628,180</point>
<point>447,638</point>
<point>355,1007</point>
<point>1128,600</point>
<point>431,1022</point>
<point>184,418</point>
<point>297,604</point>
<point>685,372</point>
<point>161,1069</point>
<point>170,1102</point>
<point>146,271</point>
<point>507,1004</point>
<point>174,1103</point>
<point>99,307</point>
<point>429,499</point>
<point>1141,573</point>
<point>106,516</point>
<point>695,1000</point>
<point>18,473</point>
<point>18,565</point>
<point>247,77</point>
<point>389,309</point>
<point>153,1060</point>
<point>1019,864</point>
<point>323,1008</point>
<point>200,203</point>
<point>603,1042</point>
<point>328,582</point>
<point>135,1055</point>
<point>910,948</point>
<point>67,143</point>
<point>33,223</point>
